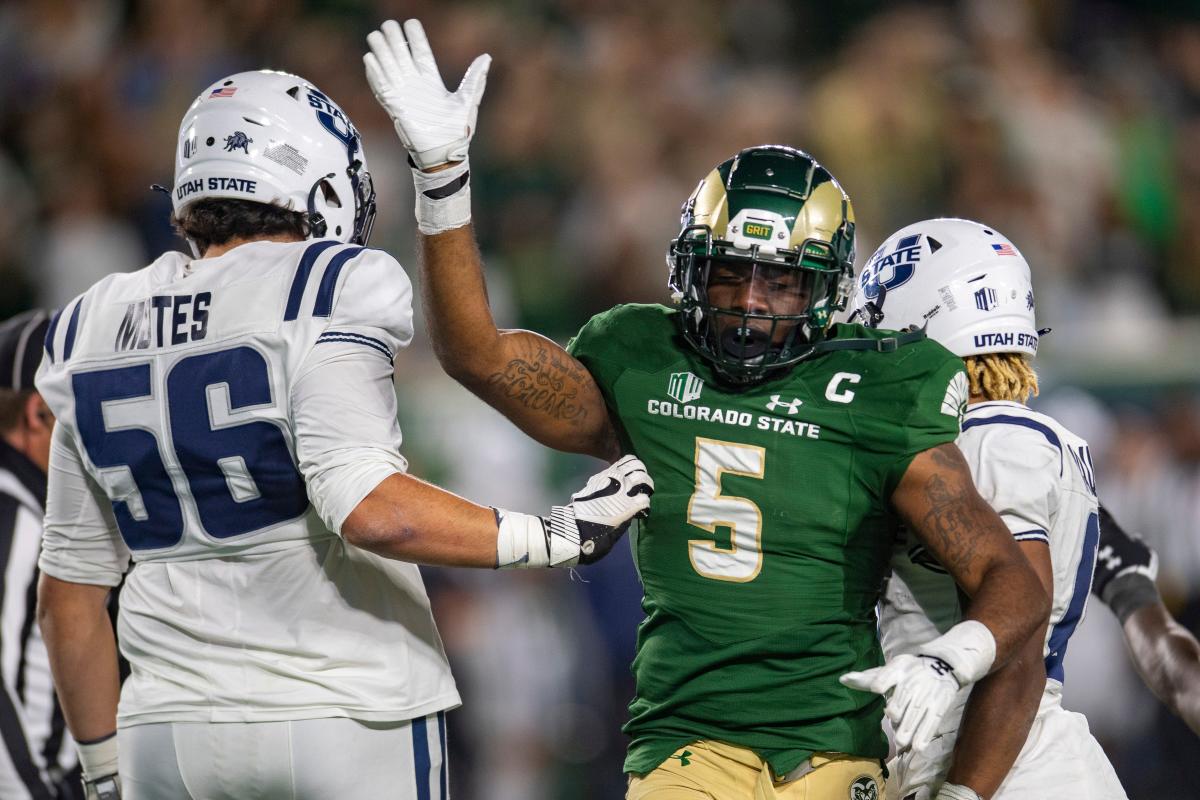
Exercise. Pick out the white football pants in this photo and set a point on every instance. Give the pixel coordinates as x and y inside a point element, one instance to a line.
<point>311,759</point>
<point>1060,758</point>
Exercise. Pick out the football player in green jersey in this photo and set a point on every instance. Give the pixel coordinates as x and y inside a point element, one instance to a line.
<point>786,453</point>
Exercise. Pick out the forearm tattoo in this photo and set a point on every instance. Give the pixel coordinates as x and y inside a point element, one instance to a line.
<point>545,383</point>
<point>952,520</point>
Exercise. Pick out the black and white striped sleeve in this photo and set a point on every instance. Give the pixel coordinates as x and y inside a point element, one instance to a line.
<point>31,725</point>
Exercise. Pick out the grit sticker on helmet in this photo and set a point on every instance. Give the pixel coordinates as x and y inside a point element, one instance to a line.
<point>775,225</point>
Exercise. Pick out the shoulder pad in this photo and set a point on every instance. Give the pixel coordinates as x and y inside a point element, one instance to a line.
<point>366,290</point>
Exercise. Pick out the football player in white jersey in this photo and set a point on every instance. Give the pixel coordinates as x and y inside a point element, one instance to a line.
<point>969,288</point>
<point>228,423</point>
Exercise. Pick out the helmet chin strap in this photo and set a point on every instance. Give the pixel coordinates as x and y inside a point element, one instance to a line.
<point>317,227</point>
<point>873,309</point>
<point>889,344</point>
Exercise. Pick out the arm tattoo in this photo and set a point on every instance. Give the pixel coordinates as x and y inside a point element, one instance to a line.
<point>546,384</point>
<point>952,520</point>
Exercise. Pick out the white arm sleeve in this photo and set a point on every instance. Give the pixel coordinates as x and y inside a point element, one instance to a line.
<point>80,542</point>
<point>343,400</point>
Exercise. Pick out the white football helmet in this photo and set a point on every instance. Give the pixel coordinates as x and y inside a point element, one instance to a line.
<point>965,283</point>
<point>271,137</point>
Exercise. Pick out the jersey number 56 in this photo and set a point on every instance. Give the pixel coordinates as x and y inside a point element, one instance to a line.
<point>241,476</point>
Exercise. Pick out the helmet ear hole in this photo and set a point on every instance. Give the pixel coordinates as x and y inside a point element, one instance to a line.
<point>330,194</point>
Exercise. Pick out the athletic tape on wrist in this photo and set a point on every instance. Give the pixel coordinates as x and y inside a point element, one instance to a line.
<point>443,198</point>
<point>520,541</point>
<point>526,541</point>
<point>969,647</point>
<point>98,758</point>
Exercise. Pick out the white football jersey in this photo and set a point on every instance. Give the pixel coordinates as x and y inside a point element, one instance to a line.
<point>1038,477</point>
<point>218,420</point>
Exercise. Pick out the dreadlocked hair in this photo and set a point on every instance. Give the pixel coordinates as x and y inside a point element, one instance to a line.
<point>1002,376</point>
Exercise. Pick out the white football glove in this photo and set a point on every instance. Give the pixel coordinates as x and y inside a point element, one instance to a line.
<point>919,691</point>
<point>434,124</point>
<point>956,791</point>
<point>582,531</point>
<point>921,688</point>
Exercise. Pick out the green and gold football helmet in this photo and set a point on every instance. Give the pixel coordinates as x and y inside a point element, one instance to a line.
<point>764,259</point>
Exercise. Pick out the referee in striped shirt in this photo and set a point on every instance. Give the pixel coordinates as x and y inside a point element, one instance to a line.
<point>37,756</point>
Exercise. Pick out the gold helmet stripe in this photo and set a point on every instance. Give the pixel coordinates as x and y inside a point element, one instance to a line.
<point>821,215</point>
<point>710,204</point>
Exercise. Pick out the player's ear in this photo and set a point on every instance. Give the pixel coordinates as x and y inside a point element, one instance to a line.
<point>37,415</point>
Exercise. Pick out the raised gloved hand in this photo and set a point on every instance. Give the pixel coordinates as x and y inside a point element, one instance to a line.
<point>582,531</point>
<point>921,688</point>
<point>434,124</point>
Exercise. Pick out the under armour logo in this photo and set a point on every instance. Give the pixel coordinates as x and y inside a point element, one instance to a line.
<point>792,406</point>
<point>1109,556</point>
<point>684,758</point>
<point>939,666</point>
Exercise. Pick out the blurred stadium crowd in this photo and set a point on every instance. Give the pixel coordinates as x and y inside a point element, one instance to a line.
<point>1072,126</point>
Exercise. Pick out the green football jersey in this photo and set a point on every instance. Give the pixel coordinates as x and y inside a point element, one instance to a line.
<point>769,531</point>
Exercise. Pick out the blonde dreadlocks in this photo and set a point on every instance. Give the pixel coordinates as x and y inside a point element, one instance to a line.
<point>1002,376</point>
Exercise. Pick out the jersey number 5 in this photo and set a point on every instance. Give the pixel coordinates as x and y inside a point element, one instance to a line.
<point>240,475</point>
<point>709,509</point>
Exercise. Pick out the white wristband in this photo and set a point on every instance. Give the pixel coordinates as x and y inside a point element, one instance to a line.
<point>443,198</point>
<point>526,541</point>
<point>956,791</point>
<point>969,647</point>
<point>98,758</point>
<point>520,541</point>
